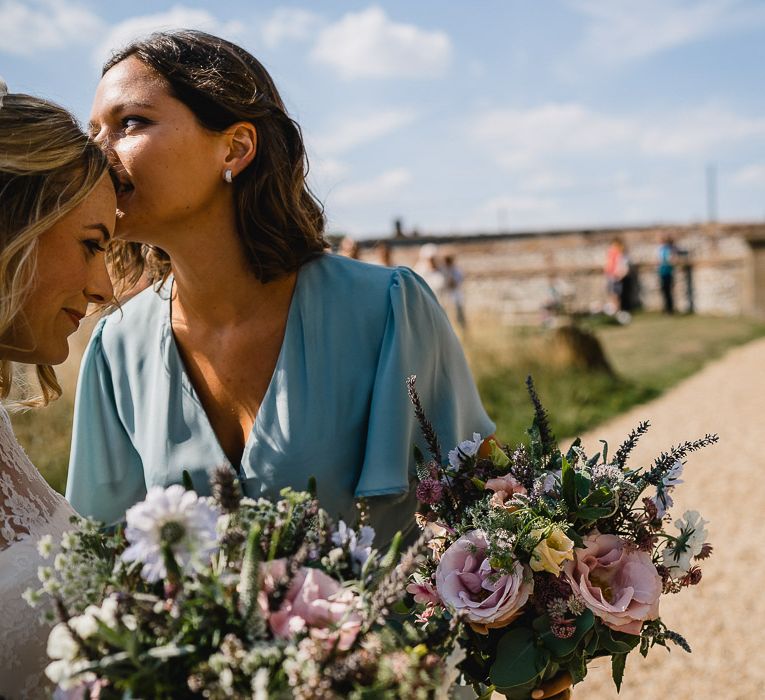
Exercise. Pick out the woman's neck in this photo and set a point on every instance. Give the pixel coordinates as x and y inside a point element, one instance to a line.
<point>215,286</point>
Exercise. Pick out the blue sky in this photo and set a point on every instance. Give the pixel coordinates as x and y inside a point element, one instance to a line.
<point>470,116</point>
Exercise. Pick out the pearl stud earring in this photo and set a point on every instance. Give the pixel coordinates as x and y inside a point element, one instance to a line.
<point>228,176</point>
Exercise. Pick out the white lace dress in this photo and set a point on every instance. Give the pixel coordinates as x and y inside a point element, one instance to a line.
<point>29,509</point>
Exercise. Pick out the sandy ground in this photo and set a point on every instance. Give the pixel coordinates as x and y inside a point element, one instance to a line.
<point>723,618</point>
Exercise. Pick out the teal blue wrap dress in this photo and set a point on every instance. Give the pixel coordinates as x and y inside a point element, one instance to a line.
<point>336,407</point>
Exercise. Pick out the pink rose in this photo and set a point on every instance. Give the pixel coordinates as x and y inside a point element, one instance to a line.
<point>617,582</point>
<point>316,603</point>
<point>504,488</point>
<point>466,582</point>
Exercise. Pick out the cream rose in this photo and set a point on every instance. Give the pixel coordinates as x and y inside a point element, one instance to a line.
<point>551,551</point>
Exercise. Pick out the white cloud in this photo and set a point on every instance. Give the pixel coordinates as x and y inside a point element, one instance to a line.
<point>45,25</point>
<point>290,24</point>
<point>698,131</point>
<point>328,169</point>
<point>379,189</point>
<point>628,31</point>
<point>176,17</point>
<point>750,175</point>
<point>518,137</point>
<point>525,138</point>
<point>367,44</point>
<point>511,205</point>
<point>356,131</point>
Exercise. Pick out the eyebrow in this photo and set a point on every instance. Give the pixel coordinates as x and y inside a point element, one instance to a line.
<point>102,228</point>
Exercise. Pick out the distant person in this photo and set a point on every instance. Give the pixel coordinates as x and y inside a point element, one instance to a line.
<point>454,279</point>
<point>384,255</point>
<point>349,248</point>
<point>429,268</point>
<point>616,270</point>
<point>667,254</point>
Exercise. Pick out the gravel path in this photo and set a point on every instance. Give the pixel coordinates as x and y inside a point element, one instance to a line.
<point>723,618</point>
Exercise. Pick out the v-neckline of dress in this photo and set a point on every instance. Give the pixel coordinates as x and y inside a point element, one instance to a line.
<point>188,386</point>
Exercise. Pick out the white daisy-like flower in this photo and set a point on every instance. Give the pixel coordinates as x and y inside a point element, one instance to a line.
<point>467,448</point>
<point>677,556</point>
<point>172,517</point>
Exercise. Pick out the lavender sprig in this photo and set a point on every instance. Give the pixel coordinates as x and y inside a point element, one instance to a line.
<point>426,426</point>
<point>620,458</point>
<point>542,420</point>
<point>667,460</point>
<point>390,587</point>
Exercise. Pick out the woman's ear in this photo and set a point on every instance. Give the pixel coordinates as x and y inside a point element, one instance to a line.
<point>242,146</point>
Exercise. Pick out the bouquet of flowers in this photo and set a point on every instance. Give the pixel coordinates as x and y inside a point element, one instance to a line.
<point>549,559</point>
<point>229,597</point>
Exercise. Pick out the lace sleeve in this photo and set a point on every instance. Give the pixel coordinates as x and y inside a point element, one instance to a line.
<point>27,503</point>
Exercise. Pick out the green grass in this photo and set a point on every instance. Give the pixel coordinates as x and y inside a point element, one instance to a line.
<point>648,356</point>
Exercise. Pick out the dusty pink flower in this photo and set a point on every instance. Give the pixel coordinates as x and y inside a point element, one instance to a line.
<point>315,602</point>
<point>617,582</point>
<point>504,488</point>
<point>466,582</point>
<point>423,592</point>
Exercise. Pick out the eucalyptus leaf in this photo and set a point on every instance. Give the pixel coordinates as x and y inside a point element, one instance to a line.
<point>618,662</point>
<point>588,514</point>
<point>597,497</point>
<point>519,660</point>
<point>616,642</point>
<point>583,485</point>
<point>568,486</point>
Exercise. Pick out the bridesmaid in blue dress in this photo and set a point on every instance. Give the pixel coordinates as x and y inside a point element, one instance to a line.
<point>253,347</point>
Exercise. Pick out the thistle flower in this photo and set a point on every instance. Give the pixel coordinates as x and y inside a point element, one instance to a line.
<point>430,491</point>
<point>173,519</point>
<point>226,489</point>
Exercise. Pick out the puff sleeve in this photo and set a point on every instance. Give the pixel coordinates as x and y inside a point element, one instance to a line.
<point>105,471</point>
<point>418,339</point>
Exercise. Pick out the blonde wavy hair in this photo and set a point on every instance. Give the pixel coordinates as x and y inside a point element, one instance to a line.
<point>47,167</point>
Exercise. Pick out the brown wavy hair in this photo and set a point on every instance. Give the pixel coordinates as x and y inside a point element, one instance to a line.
<point>47,167</point>
<point>279,220</point>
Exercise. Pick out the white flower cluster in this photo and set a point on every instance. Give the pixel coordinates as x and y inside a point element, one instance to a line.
<point>77,573</point>
<point>66,669</point>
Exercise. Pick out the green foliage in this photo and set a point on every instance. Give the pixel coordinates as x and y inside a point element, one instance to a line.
<point>649,356</point>
<point>520,661</point>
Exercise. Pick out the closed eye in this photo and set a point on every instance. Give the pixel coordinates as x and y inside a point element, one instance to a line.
<point>94,246</point>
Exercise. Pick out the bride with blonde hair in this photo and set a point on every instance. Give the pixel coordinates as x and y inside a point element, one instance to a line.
<point>57,211</point>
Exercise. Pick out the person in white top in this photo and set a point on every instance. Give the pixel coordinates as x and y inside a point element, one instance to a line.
<point>57,211</point>
<point>428,266</point>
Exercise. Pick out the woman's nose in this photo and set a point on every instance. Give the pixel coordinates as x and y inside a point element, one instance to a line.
<point>99,287</point>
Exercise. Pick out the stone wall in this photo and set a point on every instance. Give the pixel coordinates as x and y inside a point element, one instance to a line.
<point>514,275</point>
